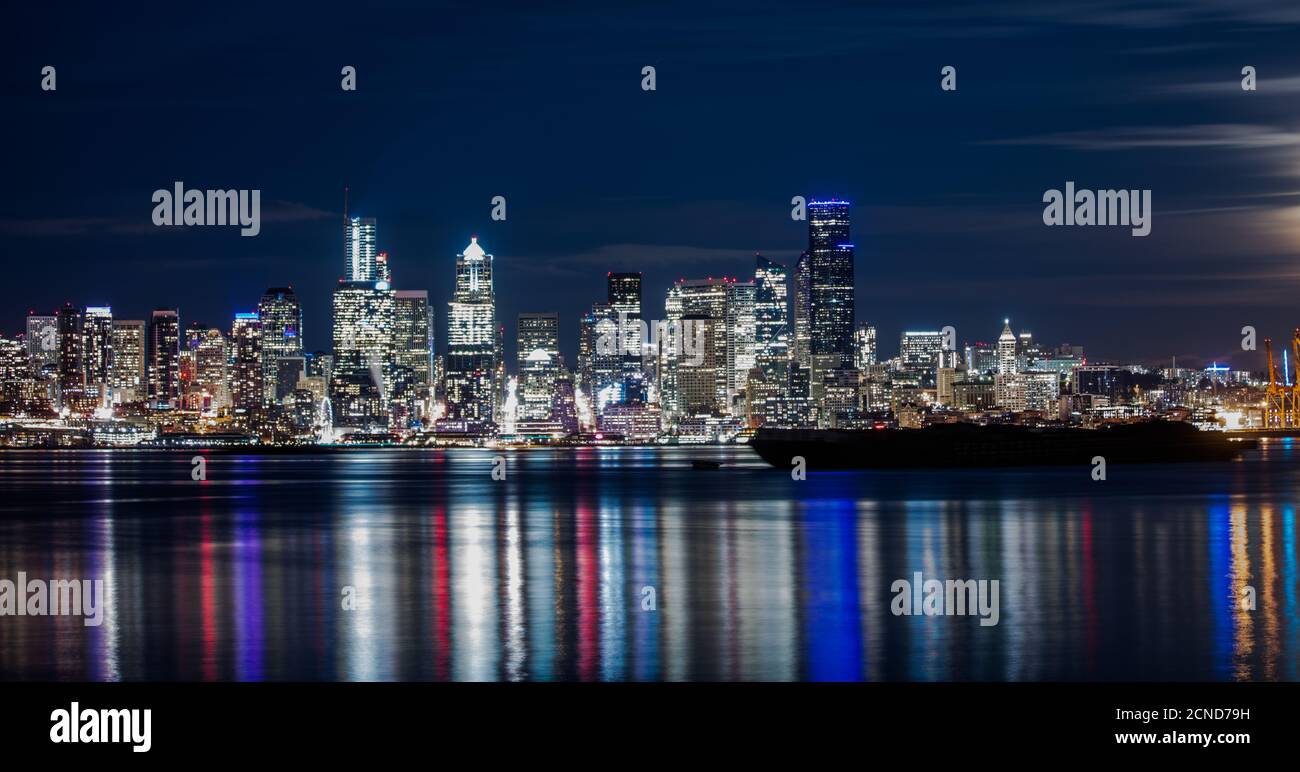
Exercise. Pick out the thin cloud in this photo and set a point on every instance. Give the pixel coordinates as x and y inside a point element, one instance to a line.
<point>1220,135</point>
<point>272,212</point>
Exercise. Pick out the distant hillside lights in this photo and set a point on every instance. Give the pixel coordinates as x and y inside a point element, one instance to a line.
<point>211,207</point>
<point>1102,207</point>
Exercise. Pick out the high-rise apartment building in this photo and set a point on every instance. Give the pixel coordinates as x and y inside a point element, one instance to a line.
<point>71,366</point>
<point>864,346</point>
<point>127,377</point>
<point>248,392</point>
<point>97,350</point>
<point>163,362</point>
<point>359,249</point>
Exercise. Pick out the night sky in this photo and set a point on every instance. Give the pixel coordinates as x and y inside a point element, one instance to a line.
<point>753,105</point>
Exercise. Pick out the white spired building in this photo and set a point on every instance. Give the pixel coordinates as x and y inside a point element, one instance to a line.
<point>1007,350</point>
<point>1008,388</point>
<point>473,377</point>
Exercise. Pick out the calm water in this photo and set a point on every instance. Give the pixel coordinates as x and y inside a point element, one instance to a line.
<point>541,576</point>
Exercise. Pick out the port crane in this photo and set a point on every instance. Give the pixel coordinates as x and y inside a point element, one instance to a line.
<point>1282,407</point>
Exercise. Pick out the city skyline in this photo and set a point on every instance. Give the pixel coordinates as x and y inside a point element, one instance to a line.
<point>947,186</point>
<point>569,322</point>
<point>729,357</point>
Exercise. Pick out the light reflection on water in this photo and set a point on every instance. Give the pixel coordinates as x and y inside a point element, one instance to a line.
<point>543,576</point>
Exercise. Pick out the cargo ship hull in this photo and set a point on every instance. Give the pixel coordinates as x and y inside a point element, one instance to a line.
<point>970,445</point>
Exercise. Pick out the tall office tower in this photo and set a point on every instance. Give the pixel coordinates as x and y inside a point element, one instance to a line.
<point>163,363</point>
<point>599,365</point>
<point>471,380</point>
<point>97,350</point>
<point>411,400</point>
<point>383,271</point>
<point>771,317</point>
<point>71,366</point>
<point>539,366</point>
<point>127,378</point>
<point>1007,350</point>
<point>864,346</point>
<point>981,357</point>
<point>689,301</point>
<point>801,346</point>
<point>280,314</point>
<point>210,386</point>
<point>43,343</point>
<point>359,253</point>
<point>920,350</point>
<point>740,332</point>
<point>624,298</point>
<point>698,375</point>
<point>830,280</point>
<point>247,391</point>
<point>363,335</point>
<point>413,337</point>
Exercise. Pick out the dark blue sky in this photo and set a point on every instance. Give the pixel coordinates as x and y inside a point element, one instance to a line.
<point>460,103</point>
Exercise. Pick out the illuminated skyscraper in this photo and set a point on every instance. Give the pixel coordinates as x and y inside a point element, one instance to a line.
<point>864,346</point>
<point>624,299</point>
<point>246,380</point>
<point>599,364</point>
<point>71,369</point>
<point>280,315</point>
<point>43,342</point>
<point>920,350</point>
<point>363,334</point>
<point>689,304</point>
<point>359,252</point>
<point>413,346</point>
<point>830,280</point>
<point>740,333</point>
<point>1007,350</point>
<point>802,346</point>
<point>472,364</point>
<point>697,377</point>
<point>97,350</point>
<point>18,388</point>
<point>164,359</point>
<point>771,316</point>
<point>538,356</point>
<point>128,374</point>
<point>211,383</point>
